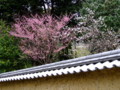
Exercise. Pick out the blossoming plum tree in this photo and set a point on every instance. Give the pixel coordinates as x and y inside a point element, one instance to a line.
<point>42,36</point>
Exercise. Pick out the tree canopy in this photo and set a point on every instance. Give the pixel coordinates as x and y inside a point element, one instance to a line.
<point>9,9</point>
<point>99,22</point>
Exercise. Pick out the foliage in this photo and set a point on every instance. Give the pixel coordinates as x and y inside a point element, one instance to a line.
<point>12,8</point>
<point>107,9</point>
<point>90,32</point>
<point>10,56</point>
<point>9,9</point>
<point>66,6</point>
<point>43,36</point>
<point>45,39</point>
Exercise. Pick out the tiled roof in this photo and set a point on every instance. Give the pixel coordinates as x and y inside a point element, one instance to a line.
<point>94,62</point>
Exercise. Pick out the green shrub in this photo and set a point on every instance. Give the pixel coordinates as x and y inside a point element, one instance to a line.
<point>11,57</point>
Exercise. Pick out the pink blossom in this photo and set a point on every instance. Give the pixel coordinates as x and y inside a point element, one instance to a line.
<point>42,36</point>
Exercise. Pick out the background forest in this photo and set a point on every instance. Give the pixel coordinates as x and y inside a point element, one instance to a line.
<point>35,32</point>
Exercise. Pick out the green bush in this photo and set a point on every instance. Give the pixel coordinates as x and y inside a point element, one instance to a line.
<point>11,57</point>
